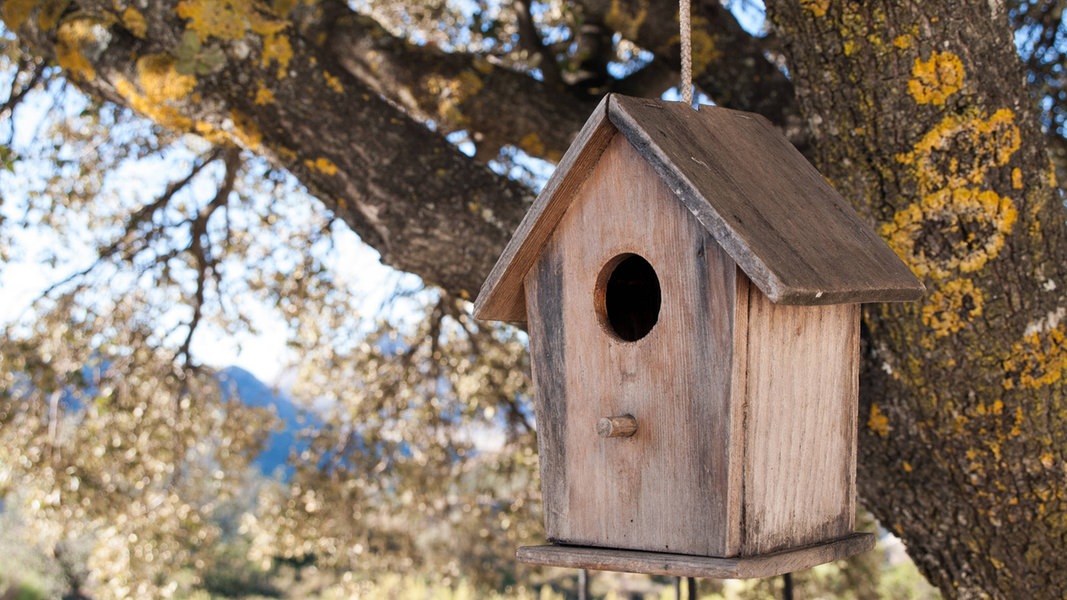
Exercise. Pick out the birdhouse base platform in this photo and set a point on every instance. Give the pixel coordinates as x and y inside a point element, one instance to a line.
<point>682,565</point>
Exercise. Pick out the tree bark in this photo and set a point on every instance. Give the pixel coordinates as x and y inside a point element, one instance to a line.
<point>920,116</point>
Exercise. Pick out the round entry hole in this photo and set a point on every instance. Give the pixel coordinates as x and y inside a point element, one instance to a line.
<point>628,297</point>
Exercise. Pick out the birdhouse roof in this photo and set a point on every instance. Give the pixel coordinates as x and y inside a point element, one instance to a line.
<point>791,233</point>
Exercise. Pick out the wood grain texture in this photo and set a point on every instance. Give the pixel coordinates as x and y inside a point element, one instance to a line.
<point>800,424</point>
<point>501,297</point>
<point>544,296</point>
<point>678,565</point>
<point>671,486</point>
<point>797,239</point>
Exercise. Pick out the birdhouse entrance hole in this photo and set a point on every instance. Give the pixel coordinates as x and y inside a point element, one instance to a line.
<point>628,297</point>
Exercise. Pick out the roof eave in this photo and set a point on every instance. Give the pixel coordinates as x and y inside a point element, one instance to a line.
<point>502,296</point>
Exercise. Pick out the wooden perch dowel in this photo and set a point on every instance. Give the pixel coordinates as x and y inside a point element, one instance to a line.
<point>622,426</point>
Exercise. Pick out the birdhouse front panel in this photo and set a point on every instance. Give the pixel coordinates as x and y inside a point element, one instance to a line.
<point>635,325</point>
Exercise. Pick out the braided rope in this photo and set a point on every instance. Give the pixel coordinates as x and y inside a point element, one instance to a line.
<point>687,51</point>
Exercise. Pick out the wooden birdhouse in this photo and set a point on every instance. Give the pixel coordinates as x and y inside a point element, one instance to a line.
<point>691,287</point>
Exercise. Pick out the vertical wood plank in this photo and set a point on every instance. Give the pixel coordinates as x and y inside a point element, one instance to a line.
<point>544,298</point>
<point>669,487</point>
<point>800,424</point>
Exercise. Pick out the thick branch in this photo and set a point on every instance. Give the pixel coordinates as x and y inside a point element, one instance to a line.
<point>460,91</point>
<point>427,208</point>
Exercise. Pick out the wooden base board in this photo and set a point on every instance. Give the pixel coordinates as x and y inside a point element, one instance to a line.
<point>681,565</point>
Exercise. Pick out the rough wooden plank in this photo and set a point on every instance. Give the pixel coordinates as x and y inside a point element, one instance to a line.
<point>501,297</point>
<point>677,565</point>
<point>544,296</point>
<point>800,423</point>
<point>669,487</point>
<point>797,239</point>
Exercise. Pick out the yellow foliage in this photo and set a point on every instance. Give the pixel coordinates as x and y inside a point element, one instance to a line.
<point>934,81</point>
<point>902,42</point>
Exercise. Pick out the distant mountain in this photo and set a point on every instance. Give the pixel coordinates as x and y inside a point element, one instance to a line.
<point>249,390</point>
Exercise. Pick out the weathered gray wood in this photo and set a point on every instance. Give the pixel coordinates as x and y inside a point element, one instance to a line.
<point>797,239</point>
<point>670,486</point>
<point>800,423</point>
<point>544,296</point>
<point>792,234</point>
<point>501,297</point>
<point>678,565</point>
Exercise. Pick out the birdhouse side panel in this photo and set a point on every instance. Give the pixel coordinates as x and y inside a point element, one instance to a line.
<point>671,485</point>
<point>545,327</point>
<point>800,424</point>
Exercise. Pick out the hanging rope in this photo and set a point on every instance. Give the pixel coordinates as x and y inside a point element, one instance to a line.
<point>686,43</point>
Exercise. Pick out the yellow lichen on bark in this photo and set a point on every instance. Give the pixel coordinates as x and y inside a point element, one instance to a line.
<point>277,49</point>
<point>322,165</point>
<point>950,308</point>
<point>1038,360</point>
<point>73,38</point>
<point>134,22</point>
<point>334,83</point>
<point>229,20</point>
<point>16,12</point>
<point>878,422</point>
<point>245,131</point>
<point>961,149</point>
<point>935,80</point>
<point>967,224</point>
<point>817,8</point>
<point>159,91</point>
<point>263,95</point>
<point>704,49</point>
<point>50,13</point>
<point>451,92</point>
<point>531,144</point>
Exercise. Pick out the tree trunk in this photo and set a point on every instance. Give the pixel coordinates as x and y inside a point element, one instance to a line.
<point>919,115</point>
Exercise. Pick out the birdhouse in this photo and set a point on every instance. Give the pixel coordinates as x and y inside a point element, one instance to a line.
<point>691,287</point>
